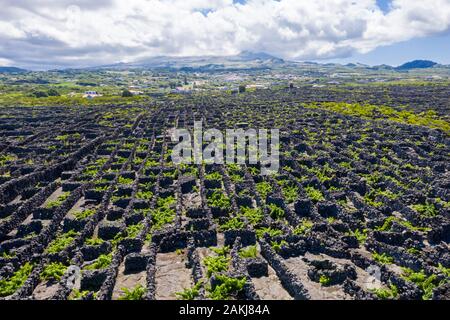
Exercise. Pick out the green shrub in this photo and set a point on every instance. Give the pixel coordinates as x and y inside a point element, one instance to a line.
<point>444,270</point>
<point>427,210</point>
<point>270,231</point>
<point>254,216</point>
<point>314,194</point>
<point>413,251</point>
<point>161,217</point>
<point>445,204</point>
<point>276,212</point>
<point>278,245</point>
<point>324,173</point>
<point>62,242</point>
<point>125,181</point>
<point>190,293</point>
<point>221,251</point>
<point>11,285</point>
<point>426,119</point>
<point>370,197</point>
<point>216,264</point>
<point>4,158</point>
<point>324,280</point>
<point>253,171</point>
<point>218,200</point>
<point>382,258</point>
<point>235,178</point>
<point>290,193</point>
<point>136,293</point>
<point>102,262</point>
<point>424,282</point>
<point>80,215</point>
<point>94,241</point>
<point>304,227</point>
<point>133,231</point>
<point>361,236</point>
<point>263,188</point>
<point>165,202</point>
<point>151,163</point>
<point>386,293</point>
<point>79,295</point>
<point>56,203</point>
<point>62,138</point>
<point>7,255</point>
<point>101,188</point>
<point>249,252</point>
<point>232,224</point>
<point>228,287</point>
<point>331,220</point>
<point>144,195</point>
<point>387,225</point>
<point>53,271</point>
<point>233,167</point>
<point>213,176</point>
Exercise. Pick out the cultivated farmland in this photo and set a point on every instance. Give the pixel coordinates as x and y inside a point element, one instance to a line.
<point>92,207</point>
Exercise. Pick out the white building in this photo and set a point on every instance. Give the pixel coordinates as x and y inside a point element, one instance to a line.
<point>91,94</point>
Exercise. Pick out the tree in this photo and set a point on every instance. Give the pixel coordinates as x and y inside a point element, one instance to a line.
<point>53,93</point>
<point>126,93</point>
<point>242,88</point>
<point>40,94</point>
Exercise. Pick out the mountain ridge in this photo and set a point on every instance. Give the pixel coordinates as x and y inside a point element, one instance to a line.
<point>249,60</point>
<point>243,61</point>
<point>417,64</point>
<point>12,70</point>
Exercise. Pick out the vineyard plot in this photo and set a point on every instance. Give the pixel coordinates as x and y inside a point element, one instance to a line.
<point>92,206</point>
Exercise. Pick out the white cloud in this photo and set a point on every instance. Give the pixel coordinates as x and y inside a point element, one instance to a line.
<point>5,62</point>
<point>59,33</point>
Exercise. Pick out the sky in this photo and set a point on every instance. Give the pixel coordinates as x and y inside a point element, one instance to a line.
<point>47,34</point>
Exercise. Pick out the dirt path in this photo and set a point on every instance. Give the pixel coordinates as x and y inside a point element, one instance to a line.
<point>171,275</point>
<point>270,288</point>
<point>129,281</point>
<point>316,290</point>
<point>45,290</point>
